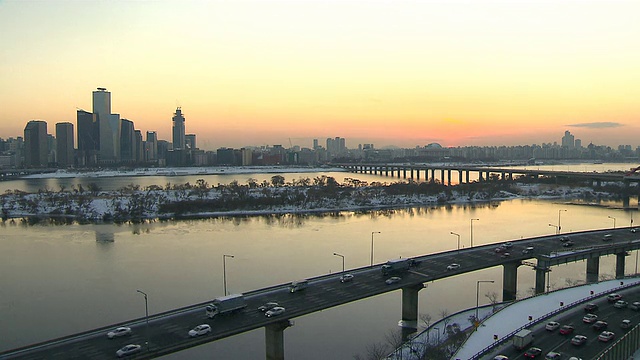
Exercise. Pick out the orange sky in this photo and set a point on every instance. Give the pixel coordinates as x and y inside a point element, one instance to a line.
<point>402,73</point>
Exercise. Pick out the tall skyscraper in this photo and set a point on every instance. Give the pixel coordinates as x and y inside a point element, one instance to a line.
<point>88,134</point>
<point>109,126</point>
<point>568,140</point>
<point>178,130</point>
<point>64,144</point>
<point>35,144</point>
<point>127,141</point>
<point>151,148</point>
<point>190,141</point>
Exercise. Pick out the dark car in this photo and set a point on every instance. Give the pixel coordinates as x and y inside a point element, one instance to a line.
<point>600,325</point>
<point>566,329</point>
<point>591,307</point>
<point>568,243</point>
<point>533,353</point>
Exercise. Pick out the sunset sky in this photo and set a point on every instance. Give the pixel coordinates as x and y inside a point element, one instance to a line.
<point>404,73</point>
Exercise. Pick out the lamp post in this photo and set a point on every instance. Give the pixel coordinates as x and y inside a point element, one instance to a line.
<point>146,312</point>
<point>458,235</point>
<point>477,295</point>
<point>559,227</point>
<point>342,256</point>
<point>373,232</point>
<point>224,271</point>
<point>472,231</point>
<point>614,221</point>
<point>554,226</point>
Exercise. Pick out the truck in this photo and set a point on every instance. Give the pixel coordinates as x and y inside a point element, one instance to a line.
<point>522,339</point>
<point>396,266</point>
<point>298,285</point>
<point>225,305</point>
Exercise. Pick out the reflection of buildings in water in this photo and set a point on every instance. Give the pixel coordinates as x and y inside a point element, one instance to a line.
<point>104,236</point>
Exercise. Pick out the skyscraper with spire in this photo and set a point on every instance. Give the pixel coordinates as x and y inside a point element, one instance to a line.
<point>178,130</point>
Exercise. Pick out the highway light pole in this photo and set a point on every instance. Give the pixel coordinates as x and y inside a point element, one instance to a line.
<point>146,312</point>
<point>373,232</point>
<point>554,226</point>
<point>560,212</point>
<point>342,256</point>
<point>472,231</point>
<point>458,235</point>
<point>478,297</point>
<point>224,271</point>
<point>614,221</point>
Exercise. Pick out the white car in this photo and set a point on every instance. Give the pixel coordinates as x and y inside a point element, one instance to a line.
<point>590,318</point>
<point>202,329</point>
<point>278,310</point>
<point>620,304</point>
<point>552,325</point>
<point>552,355</point>
<point>392,280</point>
<point>453,266</point>
<point>121,331</point>
<point>128,350</point>
<point>346,278</point>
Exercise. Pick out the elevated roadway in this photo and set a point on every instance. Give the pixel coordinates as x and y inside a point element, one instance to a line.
<point>167,332</point>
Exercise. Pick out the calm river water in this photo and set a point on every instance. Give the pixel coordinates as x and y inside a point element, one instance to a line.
<point>57,280</point>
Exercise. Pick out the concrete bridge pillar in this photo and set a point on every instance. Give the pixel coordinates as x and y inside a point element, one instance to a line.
<point>409,322</point>
<point>466,172</point>
<point>418,174</point>
<point>449,177</point>
<point>442,176</point>
<point>509,280</point>
<point>620,257</point>
<point>404,173</point>
<point>593,269</point>
<point>626,201</point>
<point>432,178</point>
<point>541,269</point>
<point>460,176</point>
<point>274,339</point>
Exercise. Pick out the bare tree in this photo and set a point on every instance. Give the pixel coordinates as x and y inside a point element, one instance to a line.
<point>493,299</point>
<point>444,314</point>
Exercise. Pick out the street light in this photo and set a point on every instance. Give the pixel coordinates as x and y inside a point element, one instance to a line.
<point>146,311</point>
<point>373,232</point>
<point>458,235</point>
<point>555,226</point>
<point>614,221</point>
<point>477,297</point>
<point>472,231</point>
<point>342,256</point>
<point>224,271</point>
<point>559,227</point>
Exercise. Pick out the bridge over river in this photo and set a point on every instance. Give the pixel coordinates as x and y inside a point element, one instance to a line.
<point>166,332</point>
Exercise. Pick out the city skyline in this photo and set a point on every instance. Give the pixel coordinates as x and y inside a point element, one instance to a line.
<point>406,74</point>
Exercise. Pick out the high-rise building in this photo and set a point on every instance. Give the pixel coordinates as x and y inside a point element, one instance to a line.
<point>190,141</point>
<point>127,141</point>
<point>88,133</point>
<point>178,130</point>
<point>568,140</point>
<point>109,126</point>
<point>64,144</point>
<point>35,144</point>
<point>151,146</point>
<point>139,146</point>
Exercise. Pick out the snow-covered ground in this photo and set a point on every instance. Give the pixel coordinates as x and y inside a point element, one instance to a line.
<point>510,318</point>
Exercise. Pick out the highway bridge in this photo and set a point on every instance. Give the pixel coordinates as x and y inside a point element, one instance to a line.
<point>167,332</point>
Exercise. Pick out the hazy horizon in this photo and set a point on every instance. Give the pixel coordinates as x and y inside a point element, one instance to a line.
<point>390,73</point>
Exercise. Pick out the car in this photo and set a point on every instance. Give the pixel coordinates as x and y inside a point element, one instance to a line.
<point>566,329</point>
<point>568,244</point>
<point>346,278</point>
<point>202,329</point>
<point>128,350</point>
<point>578,340</point>
<point>590,307</point>
<point>505,255</point>
<point>634,230</point>
<point>278,310</point>
<point>607,237</point>
<point>600,325</point>
<point>392,280</point>
<point>499,250</point>
<point>507,245</point>
<point>590,318</point>
<point>453,266</point>
<point>635,305</point>
<point>613,297</point>
<point>533,352</point>
<point>620,304</point>
<point>575,358</point>
<point>564,238</point>
<point>501,357</point>
<point>605,336</point>
<point>552,355</point>
<point>625,324</point>
<point>528,250</point>
<point>552,325</point>
<point>268,306</point>
<point>121,331</point>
